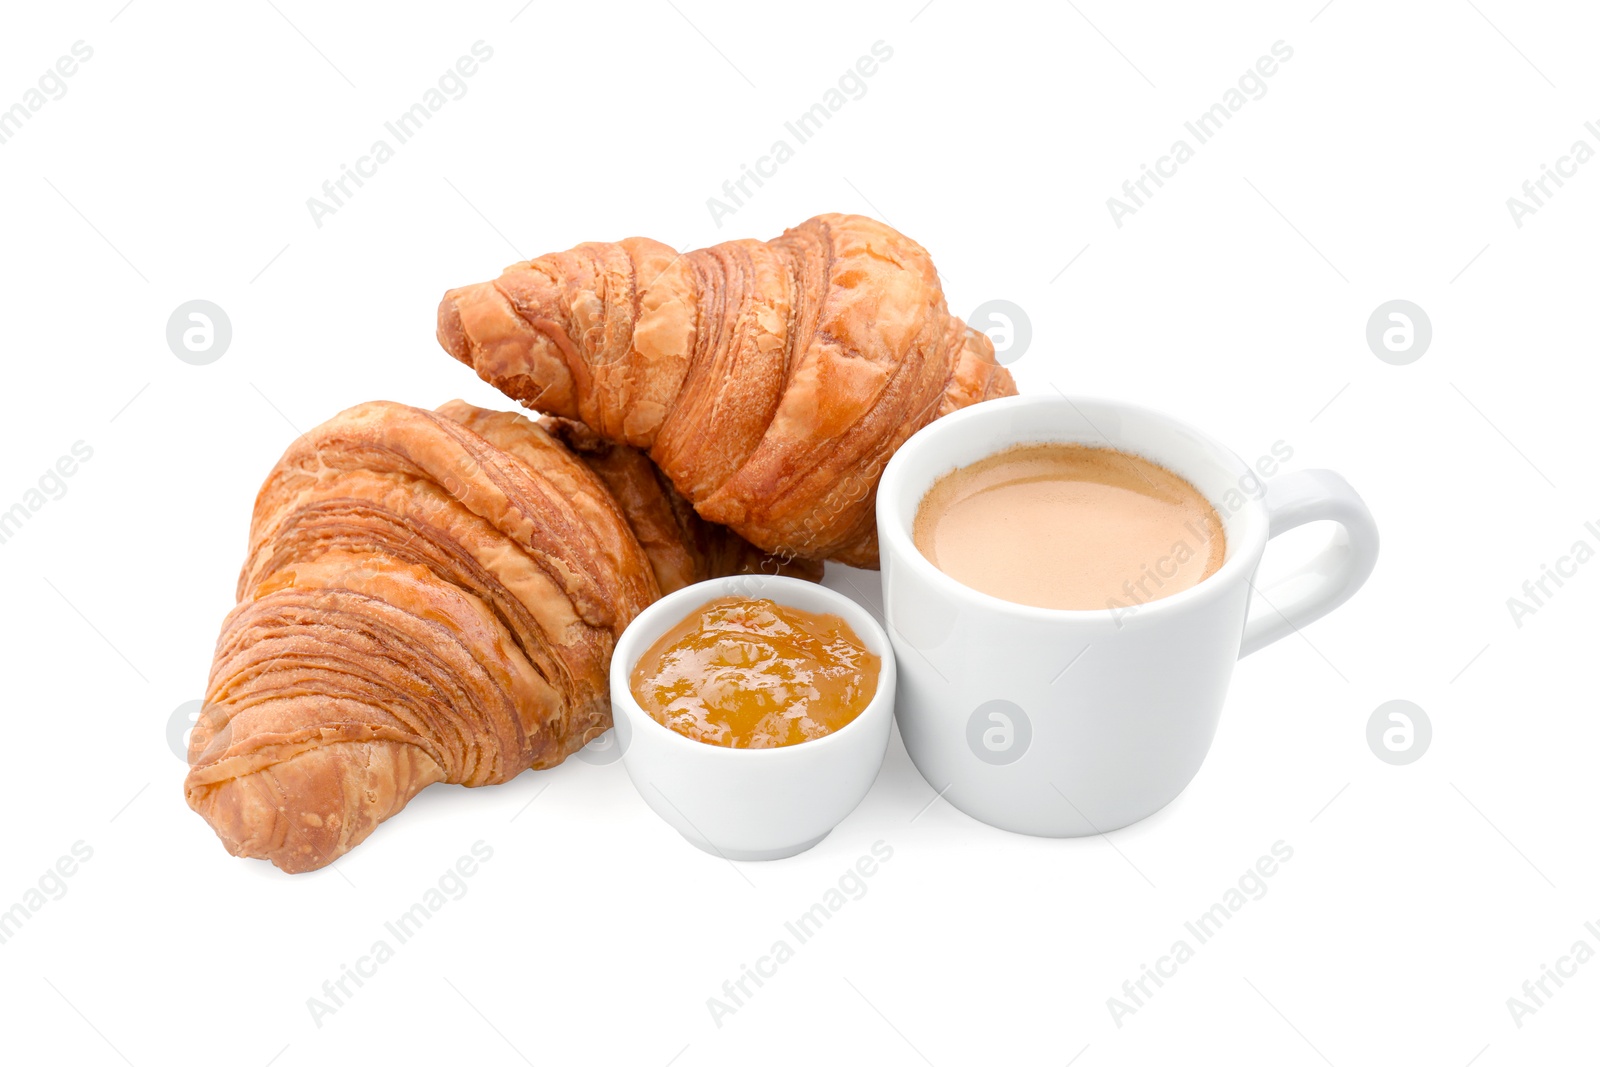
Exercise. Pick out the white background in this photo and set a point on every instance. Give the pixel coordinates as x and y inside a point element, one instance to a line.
<point>1377,166</point>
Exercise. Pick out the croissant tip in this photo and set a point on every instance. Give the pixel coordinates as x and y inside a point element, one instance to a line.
<point>452,336</point>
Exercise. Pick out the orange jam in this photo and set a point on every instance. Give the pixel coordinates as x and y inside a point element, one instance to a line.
<point>749,673</point>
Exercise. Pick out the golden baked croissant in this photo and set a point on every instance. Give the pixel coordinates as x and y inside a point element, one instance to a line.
<point>771,381</point>
<point>428,597</point>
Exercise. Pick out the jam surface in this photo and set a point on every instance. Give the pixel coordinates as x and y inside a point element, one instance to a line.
<point>749,673</point>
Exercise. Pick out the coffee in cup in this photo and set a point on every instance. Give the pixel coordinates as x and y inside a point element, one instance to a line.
<point>1065,723</point>
<point>1063,525</point>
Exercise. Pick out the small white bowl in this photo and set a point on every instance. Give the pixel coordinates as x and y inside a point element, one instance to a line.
<point>751,803</point>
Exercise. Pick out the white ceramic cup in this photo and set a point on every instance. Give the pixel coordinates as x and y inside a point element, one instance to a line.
<point>1063,723</point>
<point>748,803</point>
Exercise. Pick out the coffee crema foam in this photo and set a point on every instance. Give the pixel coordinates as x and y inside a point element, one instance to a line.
<point>1058,525</point>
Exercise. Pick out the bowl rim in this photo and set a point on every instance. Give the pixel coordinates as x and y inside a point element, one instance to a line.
<point>681,602</point>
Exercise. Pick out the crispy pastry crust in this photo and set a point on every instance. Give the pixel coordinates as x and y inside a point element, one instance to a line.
<point>428,597</point>
<point>770,381</point>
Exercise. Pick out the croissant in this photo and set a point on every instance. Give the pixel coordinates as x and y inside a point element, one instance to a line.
<point>770,381</point>
<point>428,597</point>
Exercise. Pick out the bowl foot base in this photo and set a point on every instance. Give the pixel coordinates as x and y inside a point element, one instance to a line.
<point>744,855</point>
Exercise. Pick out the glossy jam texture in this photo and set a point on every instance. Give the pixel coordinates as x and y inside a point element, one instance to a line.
<point>750,673</point>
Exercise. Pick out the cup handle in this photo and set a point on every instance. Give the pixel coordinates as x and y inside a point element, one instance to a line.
<point>1328,578</point>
